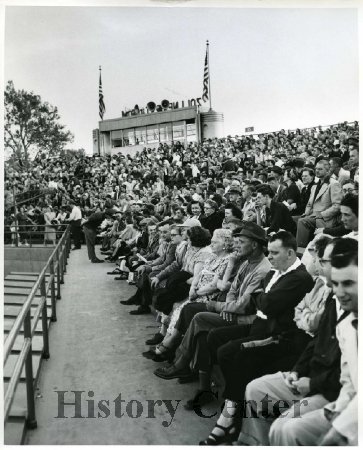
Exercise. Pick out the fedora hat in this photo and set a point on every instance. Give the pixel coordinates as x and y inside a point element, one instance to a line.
<point>253,231</point>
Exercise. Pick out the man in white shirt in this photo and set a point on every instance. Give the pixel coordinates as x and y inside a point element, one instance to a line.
<point>75,220</point>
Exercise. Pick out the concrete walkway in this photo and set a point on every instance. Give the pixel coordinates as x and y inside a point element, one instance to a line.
<point>96,347</point>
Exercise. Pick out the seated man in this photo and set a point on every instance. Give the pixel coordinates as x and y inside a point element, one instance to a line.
<point>272,215</point>
<point>272,342</point>
<point>322,209</point>
<point>337,422</point>
<point>312,383</point>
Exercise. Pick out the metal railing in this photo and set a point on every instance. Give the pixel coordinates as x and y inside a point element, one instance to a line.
<point>34,234</point>
<point>49,280</point>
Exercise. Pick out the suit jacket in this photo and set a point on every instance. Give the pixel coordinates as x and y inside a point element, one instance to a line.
<point>346,405</point>
<point>279,304</point>
<point>320,361</point>
<point>280,217</point>
<point>279,196</point>
<point>327,202</point>
<point>166,259</point>
<point>212,222</point>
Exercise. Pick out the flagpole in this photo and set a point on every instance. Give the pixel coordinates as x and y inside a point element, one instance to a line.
<point>210,94</point>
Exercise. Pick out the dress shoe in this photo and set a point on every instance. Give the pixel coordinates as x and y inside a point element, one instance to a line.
<point>200,398</point>
<point>170,372</point>
<point>149,354</point>
<point>155,340</point>
<point>131,301</point>
<point>97,261</point>
<point>140,310</point>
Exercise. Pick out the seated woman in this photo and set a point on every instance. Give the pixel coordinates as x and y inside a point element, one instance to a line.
<point>204,287</point>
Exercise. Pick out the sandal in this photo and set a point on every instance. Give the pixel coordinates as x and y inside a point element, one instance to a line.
<point>226,438</point>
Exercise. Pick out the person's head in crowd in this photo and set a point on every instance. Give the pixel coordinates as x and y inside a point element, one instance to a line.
<point>232,210</point>
<point>263,177</point>
<point>249,241</point>
<point>234,195</point>
<point>218,199</point>
<point>277,172</point>
<point>353,157</point>
<point>196,209</point>
<point>307,176</point>
<point>210,207</point>
<point>264,196</point>
<point>322,169</point>
<point>164,231</point>
<point>179,215</point>
<point>187,224</point>
<point>232,223</point>
<point>335,164</point>
<point>321,253</point>
<point>349,187</point>
<point>282,249</point>
<point>273,182</point>
<point>349,212</point>
<point>344,273</point>
<point>290,176</point>
<point>221,242</point>
<point>199,237</point>
<point>247,191</point>
<point>176,234</point>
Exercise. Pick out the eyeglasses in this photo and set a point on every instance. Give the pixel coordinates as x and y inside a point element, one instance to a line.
<point>174,234</point>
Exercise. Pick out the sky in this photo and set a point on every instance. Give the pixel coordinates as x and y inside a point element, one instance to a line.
<point>271,68</point>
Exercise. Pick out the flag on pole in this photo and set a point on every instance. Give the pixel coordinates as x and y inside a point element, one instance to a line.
<point>102,107</point>
<point>205,95</point>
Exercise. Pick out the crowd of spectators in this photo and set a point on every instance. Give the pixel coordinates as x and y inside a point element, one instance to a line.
<point>246,248</point>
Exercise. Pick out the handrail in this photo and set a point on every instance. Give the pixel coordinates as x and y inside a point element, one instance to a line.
<point>24,319</point>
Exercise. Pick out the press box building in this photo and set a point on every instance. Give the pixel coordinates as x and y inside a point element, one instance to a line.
<point>153,125</point>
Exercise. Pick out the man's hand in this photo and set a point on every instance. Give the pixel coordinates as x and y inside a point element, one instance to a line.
<point>140,269</point>
<point>228,316</point>
<point>302,385</point>
<point>154,282</point>
<point>333,437</point>
<point>289,378</point>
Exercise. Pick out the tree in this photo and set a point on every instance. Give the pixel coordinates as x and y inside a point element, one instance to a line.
<point>31,124</point>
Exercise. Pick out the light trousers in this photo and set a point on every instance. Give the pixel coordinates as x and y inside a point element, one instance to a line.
<point>269,402</point>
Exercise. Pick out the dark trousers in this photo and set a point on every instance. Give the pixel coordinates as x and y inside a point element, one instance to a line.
<point>241,365</point>
<point>76,232</point>
<point>90,236</point>
<point>176,289</point>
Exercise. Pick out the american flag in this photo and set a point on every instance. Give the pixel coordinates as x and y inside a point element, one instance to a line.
<point>102,107</point>
<point>205,95</point>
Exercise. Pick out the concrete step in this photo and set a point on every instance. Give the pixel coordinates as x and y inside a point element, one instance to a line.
<point>12,311</point>
<point>12,277</point>
<point>37,343</point>
<point>14,430</point>
<point>20,299</point>
<point>8,324</point>
<point>10,364</point>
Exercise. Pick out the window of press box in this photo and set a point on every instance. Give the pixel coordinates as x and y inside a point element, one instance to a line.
<point>165,132</point>
<point>129,137</point>
<point>116,138</point>
<point>140,135</point>
<point>178,130</point>
<point>152,134</point>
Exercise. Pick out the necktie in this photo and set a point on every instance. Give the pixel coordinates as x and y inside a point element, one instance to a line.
<point>318,186</point>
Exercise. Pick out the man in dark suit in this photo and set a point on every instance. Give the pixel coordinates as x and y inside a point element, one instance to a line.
<point>271,214</point>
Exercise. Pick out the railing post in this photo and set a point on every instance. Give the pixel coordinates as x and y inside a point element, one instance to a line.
<point>60,265</point>
<point>52,291</point>
<point>31,419</point>
<point>44,320</point>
